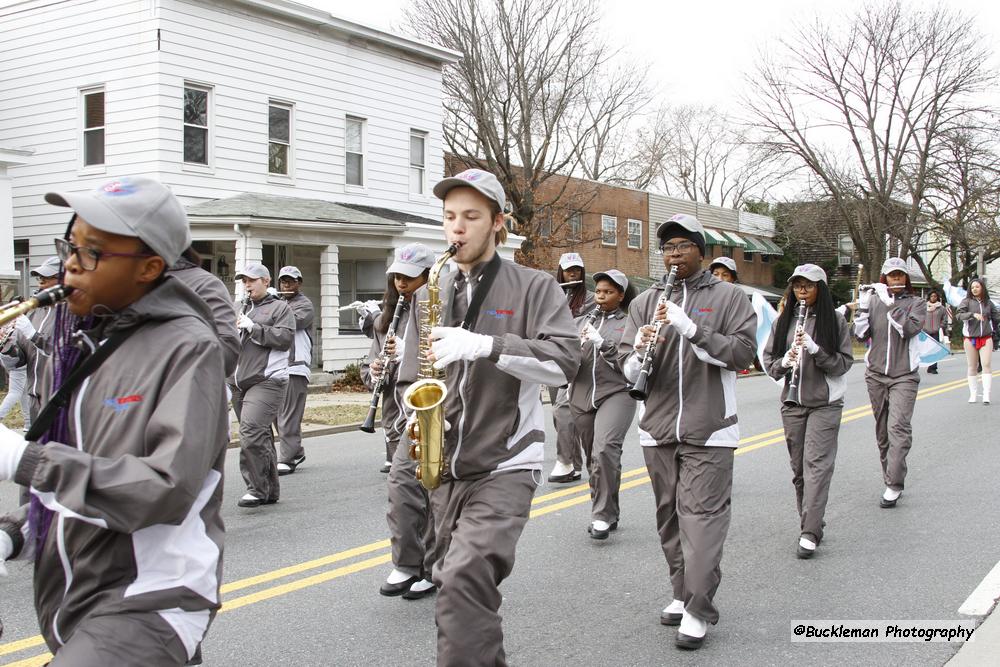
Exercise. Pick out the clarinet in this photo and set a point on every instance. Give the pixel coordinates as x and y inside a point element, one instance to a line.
<point>369,425</point>
<point>638,390</point>
<point>800,326</point>
<point>591,318</point>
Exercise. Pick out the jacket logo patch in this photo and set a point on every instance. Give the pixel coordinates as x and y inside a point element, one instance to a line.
<point>122,404</point>
<point>705,310</point>
<point>500,314</point>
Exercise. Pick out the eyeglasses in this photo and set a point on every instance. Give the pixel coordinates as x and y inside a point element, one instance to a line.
<point>803,285</point>
<point>88,258</point>
<point>682,247</point>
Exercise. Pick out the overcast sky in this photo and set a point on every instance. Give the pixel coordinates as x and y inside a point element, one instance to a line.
<point>698,51</point>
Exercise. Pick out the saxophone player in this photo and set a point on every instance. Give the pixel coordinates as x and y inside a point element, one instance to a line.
<point>507,333</point>
<point>688,426</point>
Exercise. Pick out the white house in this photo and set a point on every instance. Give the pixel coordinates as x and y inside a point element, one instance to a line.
<point>292,136</point>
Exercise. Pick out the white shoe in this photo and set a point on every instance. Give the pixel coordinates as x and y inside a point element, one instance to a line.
<point>561,469</point>
<point>891,494</point>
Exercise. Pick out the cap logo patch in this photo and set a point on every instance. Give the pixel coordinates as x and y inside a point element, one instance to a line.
<point>470,176</point>
<point>407,254</point>
<point>118,188</point>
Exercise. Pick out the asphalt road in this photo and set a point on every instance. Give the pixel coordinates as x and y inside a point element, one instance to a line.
<point>302,576</point>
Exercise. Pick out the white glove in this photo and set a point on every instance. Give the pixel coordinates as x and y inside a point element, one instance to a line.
<point>789,359</point>
<point>244,322</point>
<point>369,308</point>
<point>24,326</point>
<point>809,343</point>
<point>272,291</point>
<point>883,293</point>
<point>593,335</point>
<point>865,299</point>
<point>680,321</point>
<point>11,448</point>
<point>456,344</point>
<point>6,549</point>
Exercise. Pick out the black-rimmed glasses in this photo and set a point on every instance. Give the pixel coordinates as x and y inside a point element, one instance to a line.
<point>88,258</point>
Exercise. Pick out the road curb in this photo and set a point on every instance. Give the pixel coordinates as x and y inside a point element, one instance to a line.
<point>984,647</point>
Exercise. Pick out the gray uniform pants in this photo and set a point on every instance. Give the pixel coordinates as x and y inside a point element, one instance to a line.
<point>478,525</point>
<point>692,486</point>
<point>567,442</point>
<point>122,639</point>
<point>257,408</point>
<point>602,432</point>
<point>290,419</point>
<point>811,437</point>
<point>892,404</point>
<point>411,525</point>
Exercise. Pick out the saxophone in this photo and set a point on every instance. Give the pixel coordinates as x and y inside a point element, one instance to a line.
<point>427,395</point>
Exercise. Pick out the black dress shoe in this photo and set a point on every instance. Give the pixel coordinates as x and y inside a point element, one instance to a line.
<point>688,642</point>
<point>250,502</point>
<point>886,504</point>
<point>601,534</point>
<point>385,467</point>
<point>392,590</point>
<point>416,595</point>
<point>563,479</point>
<point>804,553</point>
<point>670,619</point>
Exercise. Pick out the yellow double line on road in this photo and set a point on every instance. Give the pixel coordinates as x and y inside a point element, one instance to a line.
<point>574,495</point>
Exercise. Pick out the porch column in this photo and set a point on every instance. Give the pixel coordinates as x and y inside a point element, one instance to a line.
<point>329,286</point>
<point>249,250</point>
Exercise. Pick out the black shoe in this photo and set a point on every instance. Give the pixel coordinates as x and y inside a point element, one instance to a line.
<point>688,642</point>
<point>288,467</point>
<point>804,553</point>
<point>385,467</point>
<point>563,479</point>
<point>886,504</point>
<point>416,595</point>
<point>270,501</point>
<point>602,534</point>
<point>670,619</point>
<point>253,501</point>
<point>392,590</point>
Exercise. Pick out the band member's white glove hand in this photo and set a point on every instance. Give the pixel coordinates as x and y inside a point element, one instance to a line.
<point>593,335</point>
<point>394,347</point>
<point>244,322</point>
<point>272,291</point>
<point>679,320</point>
<point>371,307</point>
<point>789,359</point>
<point>882,290</point>
<point>809,344</point>
<point>6,549</point>
<point>11,448</point>
<point>865,299</point>
<point>456,344</point>
<point>24,326</point>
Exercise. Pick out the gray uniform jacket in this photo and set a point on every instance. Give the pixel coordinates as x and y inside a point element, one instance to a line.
<point>973,328</point>
<point>264,349</point>
<point>393,419</point>
<point>588,304</point>
<point>821,377</point>
<point>35,353</point>
<point>494,405</point>
<point>213,291</point>
<point>692,387</point>
<point>600,374</point>
<point>137,489</point>
<point>300,356</point>
<point>937,317</point>
<point>888,330</point>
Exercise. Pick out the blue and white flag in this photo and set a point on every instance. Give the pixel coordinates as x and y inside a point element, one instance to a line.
<point>766,315</point>
<point>930,350</point>
<point>952,294</point>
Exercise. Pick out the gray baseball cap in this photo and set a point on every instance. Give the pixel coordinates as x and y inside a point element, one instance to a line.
<point>809,272</point>
<point>483,181</point>
<point>724,262</point>
<point>50,268</point>
<point>614,275</point>
<point>135,206</point>
<point>290,272</point>
<point>568,259</point>
<point>895,264</point>
<point>411,260</point>
<point>253,270</point>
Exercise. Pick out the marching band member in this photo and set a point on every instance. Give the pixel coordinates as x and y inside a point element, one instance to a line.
<point>888,324</point>
<point>598,397</point>
<point>813,361</point>
<point>937,323</point>
<point>411,527</point>
<point>980,324</point>
<point>508,334</point>
<point>688,426</point>
<point>267,329</point>
<point>124,522</point>
<point>580,300</point>
<point>290,451</point>
<point>724,268</point>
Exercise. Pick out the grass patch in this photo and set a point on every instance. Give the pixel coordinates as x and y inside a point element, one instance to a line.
<point>336,415</point>
<point>14,419</point>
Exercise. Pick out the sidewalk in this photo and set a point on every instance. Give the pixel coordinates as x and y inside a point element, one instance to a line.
<point>984,649</point>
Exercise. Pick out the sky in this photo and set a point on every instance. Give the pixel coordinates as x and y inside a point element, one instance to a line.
<point>699,51</point>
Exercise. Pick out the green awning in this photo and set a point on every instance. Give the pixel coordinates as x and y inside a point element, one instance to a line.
<point>755,245</point>
<point>772,247</point>
<point>736,239</point>
<point>713,237</point>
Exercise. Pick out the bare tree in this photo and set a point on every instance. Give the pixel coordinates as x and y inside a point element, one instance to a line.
<point>863,106</point>
<point>529,96</point>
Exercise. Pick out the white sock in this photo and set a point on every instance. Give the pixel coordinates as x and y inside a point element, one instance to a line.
<point>600,525</point>
<point>249,496</point>
<point>421,586</point>
<point>987,386</point>
<point>692,626</point>
<point>972,388</point>
<point>807,544</point>
<point>561,469</point>
<point>675,607</point>
<point>397,577</point>
<point>891,494</point>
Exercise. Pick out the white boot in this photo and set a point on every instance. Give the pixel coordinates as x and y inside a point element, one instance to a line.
<point>987,385</point>
<point>972,388</point>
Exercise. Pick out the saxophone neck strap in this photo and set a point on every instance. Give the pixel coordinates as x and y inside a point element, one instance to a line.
<point>479,293</point>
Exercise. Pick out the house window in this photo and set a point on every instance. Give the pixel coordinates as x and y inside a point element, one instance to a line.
<point>355,151</point>
<point>609,230</point>
<point>359,281</point>
<point>418,162</point>
<point>634,233</point>
<point>279,138</point>
<point>93,127</point>
<point>726,251</point>
<point>195,125</point>
<point>765,258</point>
<point>543,216</point>
<point>574,225</point>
